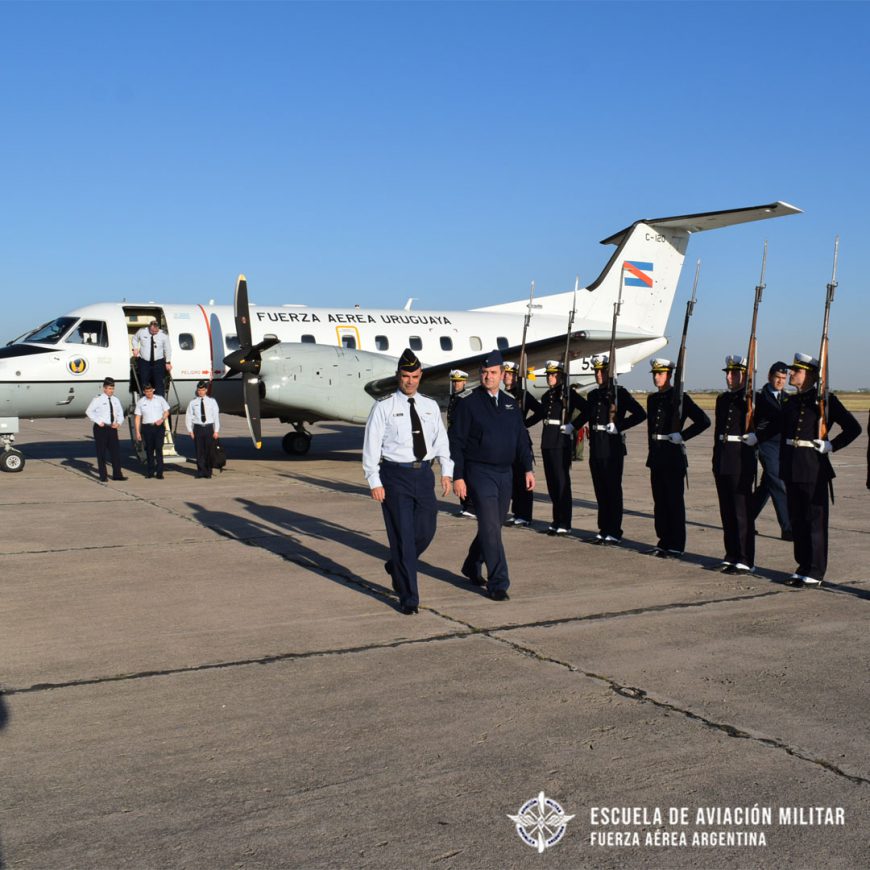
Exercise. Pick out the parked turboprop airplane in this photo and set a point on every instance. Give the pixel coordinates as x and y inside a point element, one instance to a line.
<point>301,364</point>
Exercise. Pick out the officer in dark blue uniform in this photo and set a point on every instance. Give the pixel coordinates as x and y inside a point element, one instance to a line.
<point>608,417</point>
<point>667,458</point>
<point>769,403</point>
<point>486,438</point>
<point>458,382</point>
<point>806,467</point>
<point>557,444</point>
<point>522,499</point>
<point>734,466</point>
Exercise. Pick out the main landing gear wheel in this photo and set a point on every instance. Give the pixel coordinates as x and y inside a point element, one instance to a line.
<point>12,460</point>
<point>296,443</point>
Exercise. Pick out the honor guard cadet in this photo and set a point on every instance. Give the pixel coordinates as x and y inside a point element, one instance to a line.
<point>486,438</point>
<point>107,414</point>
<point>522,499</point>
<point>806,467</point>
<point>734,466</point>
<point>666,459</point>
<point>203,424</point>
<point>609,416</point>
<point>557,444</point>
<point>150,418</point>
<point>458,380</point>
<point>153,352</point>
<point>769,403</point>
<point>404,433</point>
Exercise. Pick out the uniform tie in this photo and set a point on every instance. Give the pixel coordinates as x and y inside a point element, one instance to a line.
<point>111,411</point>
<point>202,409</point>
<point>153,349</point>
<point>417,434</point>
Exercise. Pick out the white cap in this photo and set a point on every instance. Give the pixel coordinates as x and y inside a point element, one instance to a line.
<point>554,366</point>
<point>660,364</point>
<point>511,367</point>
<point>458,375</point>
<point>804,361</point>
<point>734,361</point>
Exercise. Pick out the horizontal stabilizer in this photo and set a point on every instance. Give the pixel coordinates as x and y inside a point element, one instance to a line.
<point>710,220</point>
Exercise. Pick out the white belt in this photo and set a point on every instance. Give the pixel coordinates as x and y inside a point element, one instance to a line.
<point>552,422</point>
<point>599,428</point>
<point>730,437</point>
<point>797,442</point>
<point>661,437</point>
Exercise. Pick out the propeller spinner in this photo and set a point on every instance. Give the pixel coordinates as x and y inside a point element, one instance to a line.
<point>247,359</point>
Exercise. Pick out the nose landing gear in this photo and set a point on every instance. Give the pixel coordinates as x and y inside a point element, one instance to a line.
<point>297,443</point>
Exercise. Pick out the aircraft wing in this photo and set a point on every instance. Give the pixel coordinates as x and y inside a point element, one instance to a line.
<point>436,379</point>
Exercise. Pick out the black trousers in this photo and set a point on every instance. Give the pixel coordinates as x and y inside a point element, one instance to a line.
<point>152,437</point>
<point>522,499</point>
<point>203,435</point>
<point>491,492</point>
<point>410,513</point>
<point>808,510</point>
<point>738,523</point>
<point>669,507</point>
<point>557,469</point>
<point>153,372</point>
<point>607,483</point>
<point>106,439</point>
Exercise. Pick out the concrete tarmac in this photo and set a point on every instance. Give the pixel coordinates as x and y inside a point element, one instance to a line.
<point>214,674</point>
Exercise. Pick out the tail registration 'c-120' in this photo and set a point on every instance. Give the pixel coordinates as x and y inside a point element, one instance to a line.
<point>301,364</point>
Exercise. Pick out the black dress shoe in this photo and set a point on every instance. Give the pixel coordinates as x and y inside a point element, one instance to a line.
<point>652,551</point>
<point>104,480</point>
<point>119,478</point>
<point>787,536</point>
<point>198,476</point>
<point>407,610</point>
<point>159,475</point>
<point>475,581</point>
<point>795,580</point>
<point>388,567</point>
<point>149,476</point>
<point>499,595</point>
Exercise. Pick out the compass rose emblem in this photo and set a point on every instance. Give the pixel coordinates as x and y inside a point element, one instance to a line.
<point>541,822</point>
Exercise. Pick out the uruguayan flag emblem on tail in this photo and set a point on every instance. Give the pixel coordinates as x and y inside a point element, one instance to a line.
<point>637,274</point>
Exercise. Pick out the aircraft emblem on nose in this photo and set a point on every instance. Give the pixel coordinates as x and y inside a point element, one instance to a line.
<point>77,365</point>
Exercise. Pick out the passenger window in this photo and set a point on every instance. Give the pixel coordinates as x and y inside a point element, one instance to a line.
<point>308,339</point>
<point>185,341</point>
<point>90,332</point>
<point>446,343</point>
<point>474,342</point>
<point>348,341</point>
<point>382,342</point>
<point>415,342</point>
<point>502,343</point>
<point>233,342</point>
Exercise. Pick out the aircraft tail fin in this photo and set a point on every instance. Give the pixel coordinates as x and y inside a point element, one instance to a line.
<point>648,260</point>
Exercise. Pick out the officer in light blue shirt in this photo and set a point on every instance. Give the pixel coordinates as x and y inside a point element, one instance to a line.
<point>203,423</point>
<point>404,433</point>
<point>107,414</point>
<point>150,418</point>
<point>153,352</point>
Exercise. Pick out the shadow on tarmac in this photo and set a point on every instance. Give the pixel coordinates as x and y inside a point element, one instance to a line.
<point>4,721</point>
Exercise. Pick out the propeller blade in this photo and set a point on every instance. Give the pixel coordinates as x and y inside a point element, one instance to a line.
<point>252,409</point>
<point>242,312</point>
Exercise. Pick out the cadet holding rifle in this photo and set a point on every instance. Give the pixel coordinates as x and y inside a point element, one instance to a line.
<point>804,462</point>
<point>667,411</point>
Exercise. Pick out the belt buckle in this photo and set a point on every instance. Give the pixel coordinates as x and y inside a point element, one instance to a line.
<point>416,465</point>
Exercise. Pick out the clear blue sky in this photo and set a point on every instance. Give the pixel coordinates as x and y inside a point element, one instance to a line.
<point>342,153</point>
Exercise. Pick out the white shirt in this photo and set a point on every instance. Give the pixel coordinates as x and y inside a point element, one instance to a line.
<point>388,435</point>
<point>142,343</point>
<point>98,410</point>
<point>151,410</point>
<point>194,413</point>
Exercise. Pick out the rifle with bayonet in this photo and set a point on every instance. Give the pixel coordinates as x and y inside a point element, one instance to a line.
<point>524,365</point>
<point>566,395</point>
<point>752,353</point>
<point>824,384</point>
<point>680,373</point>
<point>611,358</point>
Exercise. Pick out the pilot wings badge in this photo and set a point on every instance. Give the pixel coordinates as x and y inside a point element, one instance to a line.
<point>541,822</point>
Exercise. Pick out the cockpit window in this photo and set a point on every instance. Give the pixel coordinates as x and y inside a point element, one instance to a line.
<point>90,332</point>
<point>50,333</point>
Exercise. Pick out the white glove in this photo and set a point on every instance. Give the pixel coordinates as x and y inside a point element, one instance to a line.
<point>611,429</point>
<point>822,446</point>
<point>675,438</point>
<point>750,439</point>
<point>567,429</point>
